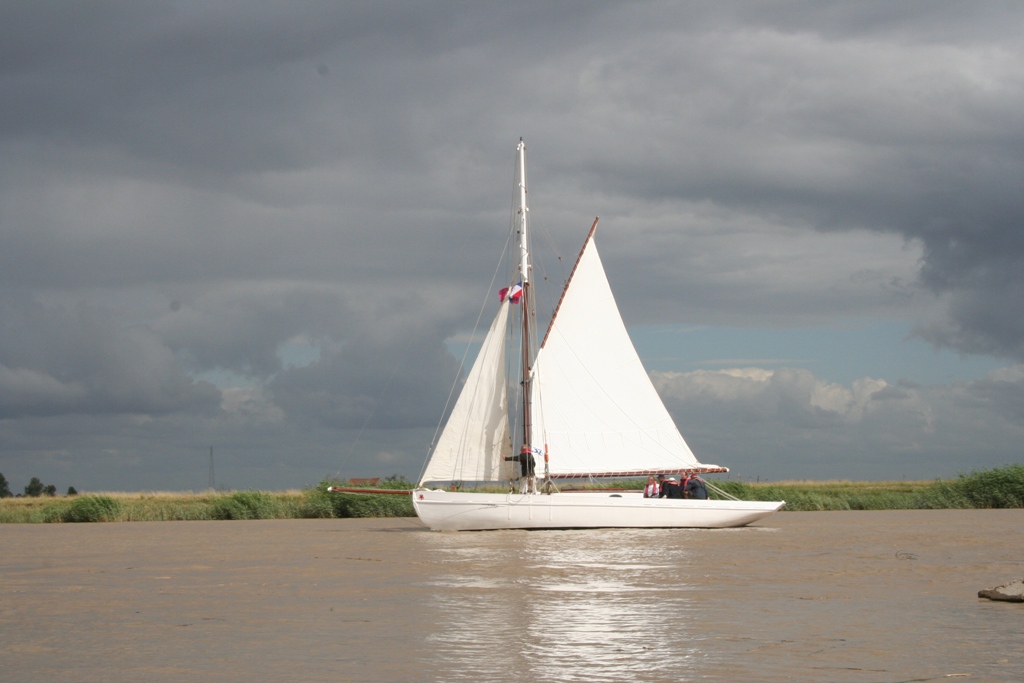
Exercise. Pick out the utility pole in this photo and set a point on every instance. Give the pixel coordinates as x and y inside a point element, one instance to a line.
<point>213,483</point>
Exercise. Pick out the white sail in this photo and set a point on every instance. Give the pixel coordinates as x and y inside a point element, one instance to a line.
<point>475,440</point>
<point>596,410</point>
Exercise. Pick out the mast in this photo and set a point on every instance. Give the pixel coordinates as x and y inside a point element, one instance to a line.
<point>527,343</point>
<point>524,275</point>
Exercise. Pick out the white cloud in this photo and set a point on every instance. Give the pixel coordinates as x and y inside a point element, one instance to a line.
<point>789,424</point>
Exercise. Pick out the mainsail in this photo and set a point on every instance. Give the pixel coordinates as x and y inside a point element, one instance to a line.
<point>475,440</point>
<point>595,410</point>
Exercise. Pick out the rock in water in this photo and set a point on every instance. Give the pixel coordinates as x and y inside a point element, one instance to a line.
<point>1009,592</point>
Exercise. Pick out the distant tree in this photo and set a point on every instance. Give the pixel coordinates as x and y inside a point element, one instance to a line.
<point>5,490</point>
<point>72,491</point>
<point>50,490</point>
<point>34,489</point>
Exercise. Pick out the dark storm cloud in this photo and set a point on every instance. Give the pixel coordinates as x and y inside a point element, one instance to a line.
<point>243,87</point>
<point>343,389</point>
<point>241,327</point>
<point>186,189</point>
<point>369,369</point>
<point>225,86</point>
<point>906,120</point>
<point>58,361</point>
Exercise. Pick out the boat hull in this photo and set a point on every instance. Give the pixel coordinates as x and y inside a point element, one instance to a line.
<point>466,511</point>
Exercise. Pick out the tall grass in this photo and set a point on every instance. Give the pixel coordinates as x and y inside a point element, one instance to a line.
<point>92,509</point>
<point>997,488</point>
<point>247,505</point>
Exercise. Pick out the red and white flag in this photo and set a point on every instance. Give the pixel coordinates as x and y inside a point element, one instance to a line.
<point>515,293</point>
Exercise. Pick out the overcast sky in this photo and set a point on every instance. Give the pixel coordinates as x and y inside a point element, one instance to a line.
<point>267,227</point>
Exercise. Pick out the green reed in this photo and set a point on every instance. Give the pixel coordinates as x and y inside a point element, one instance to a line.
<point>997,488</point>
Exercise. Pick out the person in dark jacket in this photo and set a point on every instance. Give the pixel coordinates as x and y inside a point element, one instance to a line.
<point>695,488</point>
<point>671,489</point>
<point>527,469</point>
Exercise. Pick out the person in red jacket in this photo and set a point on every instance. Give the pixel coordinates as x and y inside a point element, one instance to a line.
<point>652,489</point>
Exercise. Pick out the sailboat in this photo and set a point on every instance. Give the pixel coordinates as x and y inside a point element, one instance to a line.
<point>582,408</point>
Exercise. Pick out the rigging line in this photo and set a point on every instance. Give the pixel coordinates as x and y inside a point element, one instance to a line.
<point>465,355</point>
<point>717,490</point>
<point>511,265</point>
<point>542,296</point>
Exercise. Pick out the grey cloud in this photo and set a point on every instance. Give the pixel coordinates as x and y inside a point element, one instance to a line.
<point>890,393</point>
<point>242,326</point>
<point>385,366</point>
<point>55,360</point>
<point>1001,394</point>
<point>344,389</point>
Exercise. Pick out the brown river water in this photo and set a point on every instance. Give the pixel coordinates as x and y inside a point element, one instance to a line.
<point>821,596</point>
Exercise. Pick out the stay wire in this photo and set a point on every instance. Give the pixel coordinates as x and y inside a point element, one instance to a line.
<point>465,356</point>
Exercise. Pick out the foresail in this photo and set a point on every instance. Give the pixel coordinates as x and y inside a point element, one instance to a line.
<point>595,407</point>
<point>475,439</point>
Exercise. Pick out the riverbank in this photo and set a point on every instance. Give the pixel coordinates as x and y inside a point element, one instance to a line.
<point>997,488</point>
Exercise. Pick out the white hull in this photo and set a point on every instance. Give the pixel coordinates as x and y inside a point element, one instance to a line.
<point>461,511</point>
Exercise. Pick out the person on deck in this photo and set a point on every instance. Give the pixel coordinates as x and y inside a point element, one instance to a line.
<point>652,489</point>
<point>695,488</point>
<point>684,481</point>
<point>671,489</point>
<point>527,469</point>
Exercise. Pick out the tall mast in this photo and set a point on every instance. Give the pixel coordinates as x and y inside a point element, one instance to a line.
<point>527,300</point>
<point>524,244</point>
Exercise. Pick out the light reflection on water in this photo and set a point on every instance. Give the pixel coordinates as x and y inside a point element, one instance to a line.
<point>566,606</point>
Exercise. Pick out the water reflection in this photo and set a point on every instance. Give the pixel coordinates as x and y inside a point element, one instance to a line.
<point>562,606</point>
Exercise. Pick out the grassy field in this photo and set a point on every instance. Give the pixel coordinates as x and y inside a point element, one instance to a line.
<point>997,488</point>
